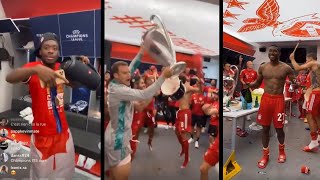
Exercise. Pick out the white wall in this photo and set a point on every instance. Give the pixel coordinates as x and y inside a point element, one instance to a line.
<point>6,89</point>
<point>213,69</point>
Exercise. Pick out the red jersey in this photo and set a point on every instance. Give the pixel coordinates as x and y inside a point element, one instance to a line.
<point>150,107</point>
<point>171,103</point>
<point>197,101</point>
<point>228,72</point>
<point>302,79</point>
<point>215,119</point>
<point>47,105</point>
<point>248,75</point>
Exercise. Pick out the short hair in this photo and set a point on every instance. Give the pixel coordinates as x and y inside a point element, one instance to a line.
<point>312,55</point>
<point>277,47</point>
<point>192,72</point>
<point>135,80</point>
<point>116,65</point>
<point>183,78</point>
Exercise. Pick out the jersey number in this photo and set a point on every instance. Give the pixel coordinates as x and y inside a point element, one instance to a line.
<point>280,116</point>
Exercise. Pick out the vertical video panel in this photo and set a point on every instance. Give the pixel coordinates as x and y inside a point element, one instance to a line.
<point>50,114</point>
<point>161,87</point>
<point>270,111</point>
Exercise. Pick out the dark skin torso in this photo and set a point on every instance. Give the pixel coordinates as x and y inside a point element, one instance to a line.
<point>274,75</point>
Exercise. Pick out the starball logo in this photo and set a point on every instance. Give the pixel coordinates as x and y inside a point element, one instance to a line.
<point>76,36</point>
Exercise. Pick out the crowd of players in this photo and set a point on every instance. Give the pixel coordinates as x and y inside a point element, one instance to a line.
<point>279,81</point>
<point>188,116</point>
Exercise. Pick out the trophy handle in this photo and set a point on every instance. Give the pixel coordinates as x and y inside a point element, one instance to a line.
<point>166,33</point>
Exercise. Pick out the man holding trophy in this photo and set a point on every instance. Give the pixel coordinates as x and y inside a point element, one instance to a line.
<point>120,97</point>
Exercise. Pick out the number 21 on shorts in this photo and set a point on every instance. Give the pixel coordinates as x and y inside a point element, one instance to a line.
<point>281,117</point>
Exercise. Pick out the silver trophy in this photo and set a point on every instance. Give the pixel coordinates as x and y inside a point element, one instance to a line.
<point>159,46</point>
<point>229,86</point>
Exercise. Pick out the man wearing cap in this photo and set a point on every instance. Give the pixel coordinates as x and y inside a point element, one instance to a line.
<point>51,146</point>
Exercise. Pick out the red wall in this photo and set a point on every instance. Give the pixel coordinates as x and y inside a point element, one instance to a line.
<point>33,8</point>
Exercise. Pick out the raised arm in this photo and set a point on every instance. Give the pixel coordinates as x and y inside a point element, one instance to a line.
<point>298,67</point>
<point>136,61</point>
<point>125,93</point>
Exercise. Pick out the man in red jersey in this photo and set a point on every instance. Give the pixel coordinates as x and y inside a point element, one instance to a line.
<point>139,115</point>
<point>248,75</point>
<point>51,149</point>
<point>183,122</point>
<point>214,119</point>
<point>227,71</point>
<point>197,101</point>
<point>150,111</point>
<point>211,157</point>
<point>301,81</point>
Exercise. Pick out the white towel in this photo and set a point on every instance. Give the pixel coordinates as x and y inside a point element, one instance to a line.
<point>89,163</point>
<point>29,118</point>
<point>81,160</point>
<point>25,112</point>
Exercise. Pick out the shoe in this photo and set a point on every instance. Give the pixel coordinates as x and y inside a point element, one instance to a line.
<point>196,144</point>
<point>263,162</point>
<point>145,130</point>
<point>167,127</point>
<point>185,163</point>
<point>203,130</point>
<point>174,128</point>
<point>190,140</point>
<point>282,154</point>
<point>286,122</point>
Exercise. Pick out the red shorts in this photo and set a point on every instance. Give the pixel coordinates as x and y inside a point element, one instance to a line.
<point>183,122</point>
<point>212,154</point>
<point>137,122</point>
<point>150,119</point>
<point>313,104</point>
<point>271,107</point>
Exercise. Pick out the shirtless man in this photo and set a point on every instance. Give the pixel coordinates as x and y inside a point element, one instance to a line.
<point>274,74</point>
<point>313,98</point>
<point>183,122</point>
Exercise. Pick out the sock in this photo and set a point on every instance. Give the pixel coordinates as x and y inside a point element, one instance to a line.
<point>181,143</point>
<point>314,140</point>
<point>198,138</point>
<point>192,136</point>
<point>186,155</point>
<point>300,109</point>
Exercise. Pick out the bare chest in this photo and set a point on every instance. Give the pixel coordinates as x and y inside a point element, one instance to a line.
<point>275,72</point>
